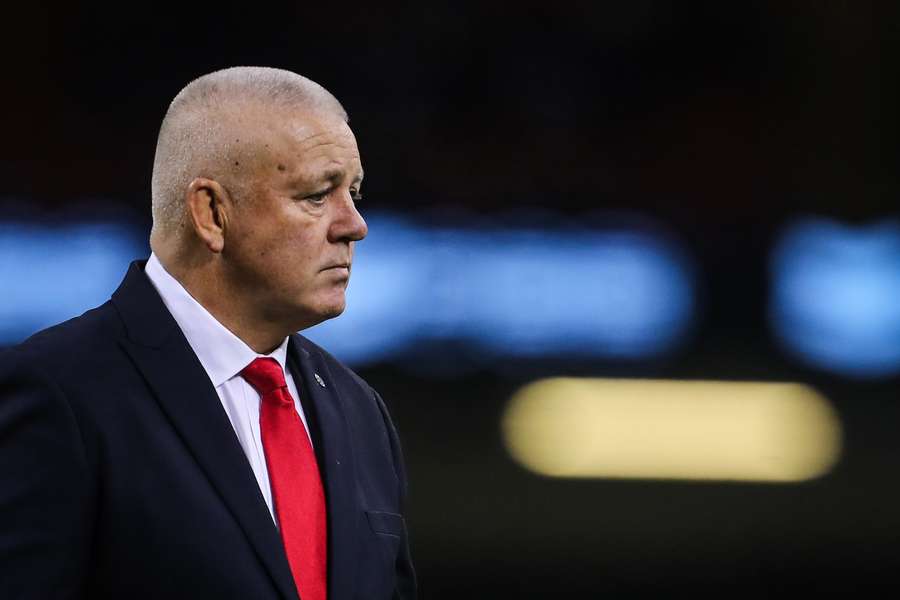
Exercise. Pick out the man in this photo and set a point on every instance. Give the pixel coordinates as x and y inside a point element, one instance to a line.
<point>181,441</point>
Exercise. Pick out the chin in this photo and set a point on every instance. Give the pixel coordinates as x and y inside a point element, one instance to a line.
<point>333,312</point>
<point>326,311</point>
<point>314,311</point>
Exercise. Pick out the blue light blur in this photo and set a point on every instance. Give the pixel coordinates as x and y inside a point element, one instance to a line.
<point>835,300</point>
<point>52,273</point>
<point>620,293</point>
<point>616,292</point>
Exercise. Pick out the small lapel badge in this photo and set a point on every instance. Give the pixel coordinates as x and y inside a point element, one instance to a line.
<point>319,379</point>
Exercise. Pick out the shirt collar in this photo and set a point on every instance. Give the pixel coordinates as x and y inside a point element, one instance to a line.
<point>222,354</point>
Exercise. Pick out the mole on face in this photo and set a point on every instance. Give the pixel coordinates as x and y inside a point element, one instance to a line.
<point>281,167</point>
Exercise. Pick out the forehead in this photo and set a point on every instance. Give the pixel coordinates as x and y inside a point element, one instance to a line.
<point>310,144</point>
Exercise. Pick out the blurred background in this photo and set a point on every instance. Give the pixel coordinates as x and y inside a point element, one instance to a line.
<point>666,193</point>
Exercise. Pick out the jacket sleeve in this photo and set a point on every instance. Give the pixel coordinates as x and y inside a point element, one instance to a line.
<point>45,488</point>
<point>406,574</point>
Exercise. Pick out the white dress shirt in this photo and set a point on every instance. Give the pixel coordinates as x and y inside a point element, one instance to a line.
<point>223,356</point>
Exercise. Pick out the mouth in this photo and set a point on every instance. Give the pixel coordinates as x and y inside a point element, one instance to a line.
<point>340,266</point>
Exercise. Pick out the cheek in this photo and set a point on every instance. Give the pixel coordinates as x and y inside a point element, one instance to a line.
<point>297,258</point>
<point>282,240</point>
<point>287,250</point>
<point>302,250</point>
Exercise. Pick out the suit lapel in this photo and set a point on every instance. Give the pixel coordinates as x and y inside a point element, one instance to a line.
<point>158,348</point>
<point>331,435</point>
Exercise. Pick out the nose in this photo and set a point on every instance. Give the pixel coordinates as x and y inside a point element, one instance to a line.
<point>347,224</point>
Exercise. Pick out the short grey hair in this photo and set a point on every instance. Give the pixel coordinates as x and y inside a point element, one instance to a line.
<point>195,138</point>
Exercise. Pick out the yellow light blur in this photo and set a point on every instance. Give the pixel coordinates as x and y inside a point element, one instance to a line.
<point>657,429</point>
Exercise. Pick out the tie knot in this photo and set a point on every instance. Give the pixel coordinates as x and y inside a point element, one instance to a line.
<point>264,375</point>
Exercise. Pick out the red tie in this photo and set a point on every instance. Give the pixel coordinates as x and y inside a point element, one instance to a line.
<point>294,477</point>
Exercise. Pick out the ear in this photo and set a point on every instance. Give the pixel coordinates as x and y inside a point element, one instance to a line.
<point>208,204</point>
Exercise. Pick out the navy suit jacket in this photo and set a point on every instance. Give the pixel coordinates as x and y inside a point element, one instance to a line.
<point>121,475</point>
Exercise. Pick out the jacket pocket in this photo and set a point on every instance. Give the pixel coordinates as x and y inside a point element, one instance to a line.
<point>387,523</point>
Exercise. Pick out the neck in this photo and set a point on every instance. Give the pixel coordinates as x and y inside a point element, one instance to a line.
<point>206,282</point>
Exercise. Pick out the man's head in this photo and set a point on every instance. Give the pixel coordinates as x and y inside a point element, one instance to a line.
<point>254,182</point>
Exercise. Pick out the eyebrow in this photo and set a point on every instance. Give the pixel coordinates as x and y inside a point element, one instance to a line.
<point>334,175</point>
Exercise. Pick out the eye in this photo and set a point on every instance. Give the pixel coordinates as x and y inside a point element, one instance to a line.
<point>318,198</point>
<point>355,194</point>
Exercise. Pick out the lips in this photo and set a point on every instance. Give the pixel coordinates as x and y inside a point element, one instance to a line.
<point>338,266</point>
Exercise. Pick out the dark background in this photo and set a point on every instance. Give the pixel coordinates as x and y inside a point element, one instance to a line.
<point>721,120</point>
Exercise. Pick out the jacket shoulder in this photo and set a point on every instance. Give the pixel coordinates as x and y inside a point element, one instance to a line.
<point>69,342</point>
